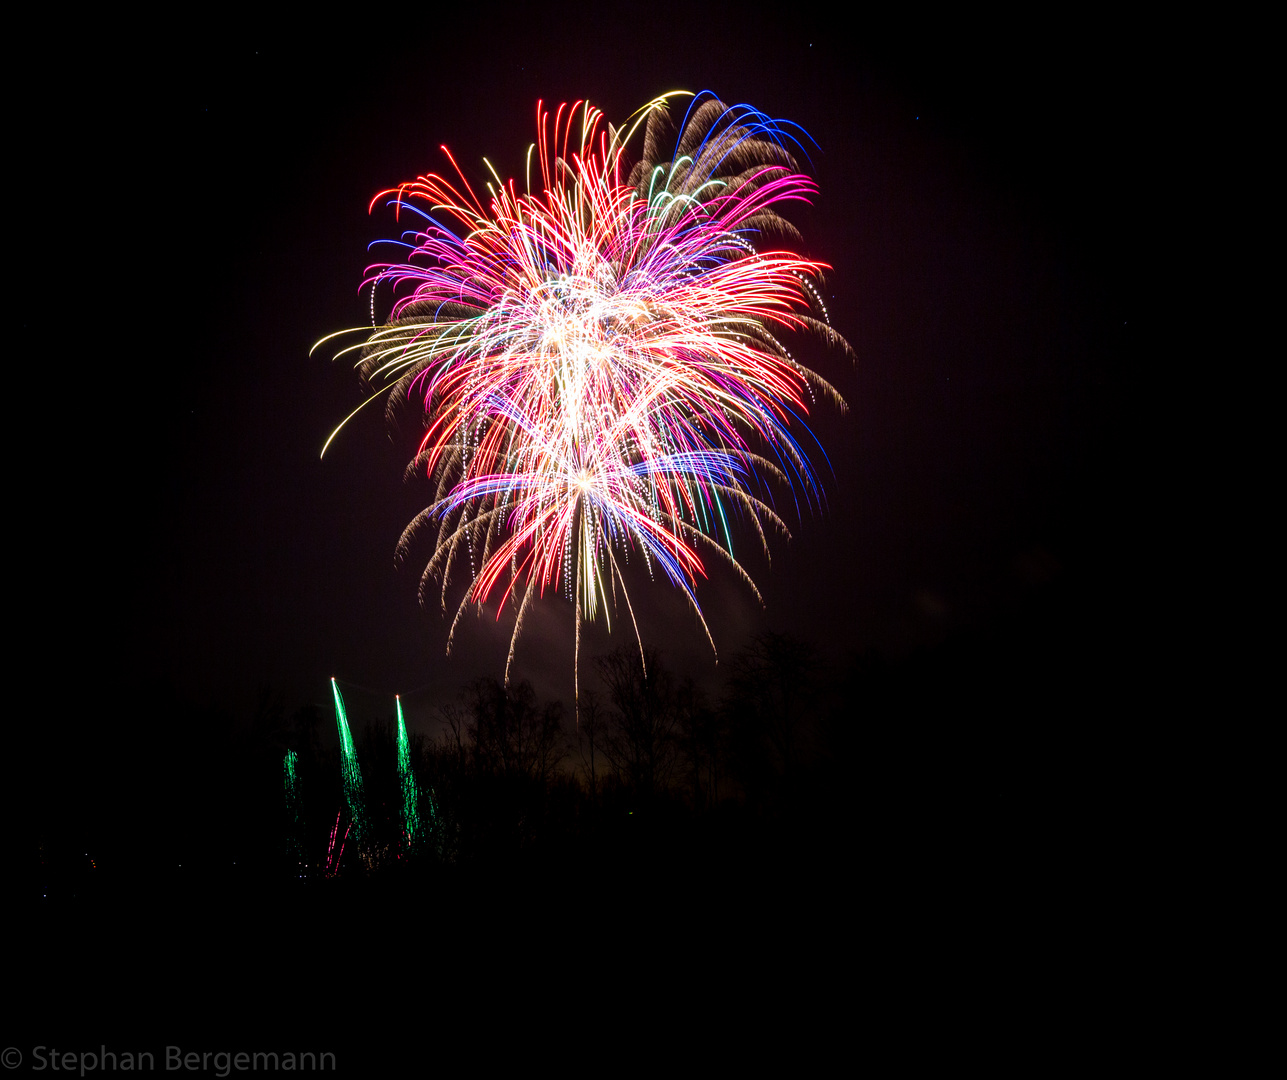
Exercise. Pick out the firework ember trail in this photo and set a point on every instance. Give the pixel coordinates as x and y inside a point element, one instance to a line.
<point>600,355</point>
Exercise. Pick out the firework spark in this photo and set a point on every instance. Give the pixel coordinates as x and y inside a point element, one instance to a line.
<point>599,357</point>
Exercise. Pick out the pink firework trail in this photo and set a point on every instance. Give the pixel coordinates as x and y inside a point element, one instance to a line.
<point>600,358</point>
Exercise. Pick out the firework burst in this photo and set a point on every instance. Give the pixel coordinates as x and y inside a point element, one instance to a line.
<point>599,357</point>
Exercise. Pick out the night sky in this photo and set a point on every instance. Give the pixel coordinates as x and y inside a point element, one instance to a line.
<point>200,219</point>
<point>211,215</point>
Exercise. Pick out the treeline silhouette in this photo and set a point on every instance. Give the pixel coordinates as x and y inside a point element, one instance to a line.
<point>646,771</point>
<point>970,759</point>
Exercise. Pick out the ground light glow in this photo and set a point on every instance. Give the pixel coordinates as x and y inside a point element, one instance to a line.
<point>600,358</point>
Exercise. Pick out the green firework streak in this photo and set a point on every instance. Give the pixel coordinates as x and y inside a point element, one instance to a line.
<point>412,825</point>
<point>353,793</point>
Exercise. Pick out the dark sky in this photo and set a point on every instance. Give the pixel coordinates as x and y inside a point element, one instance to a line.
<point>200,220</point>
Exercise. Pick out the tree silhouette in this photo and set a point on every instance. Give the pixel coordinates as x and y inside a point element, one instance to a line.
<point>700,738</point>
<point>590,734</point>
<point>512,736</point>
<point>771,704</point>
<point>641,745</point>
